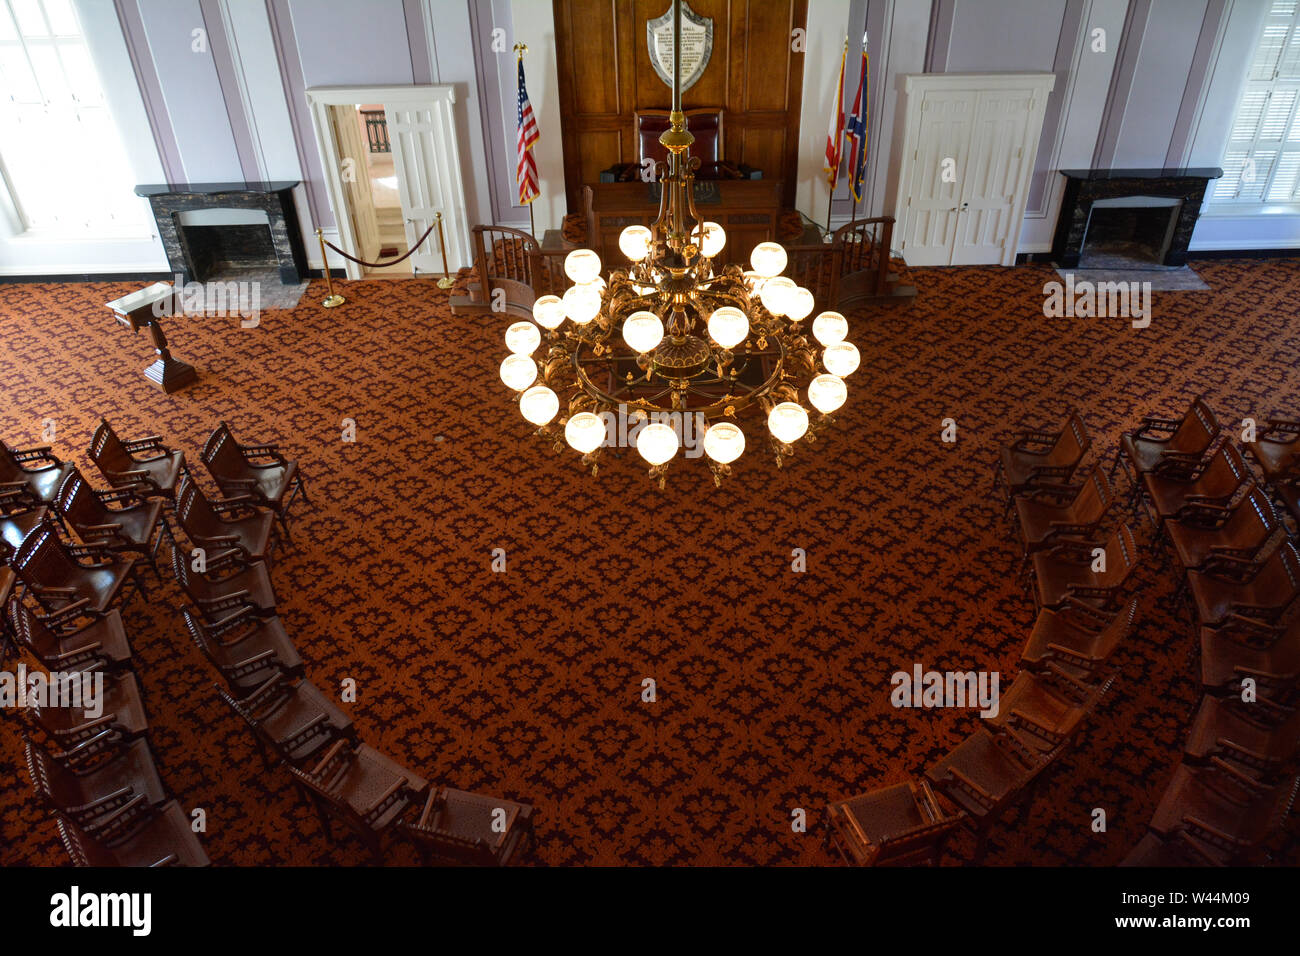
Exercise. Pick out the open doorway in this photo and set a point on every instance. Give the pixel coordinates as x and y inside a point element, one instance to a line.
<point>392,165</point>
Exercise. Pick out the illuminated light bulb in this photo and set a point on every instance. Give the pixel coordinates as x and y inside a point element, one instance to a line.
<point>753,280</point>
<point>522,338</point>
<point>830,327</point>
<point>657,443</point>
<point>711,238</point>
<point>728,326</point>
<point>584,432</point>
<point>549,311</point>
<point>787,422</point>
<point>768,259</point>
<point>582,265</point>
<point>539,404</point>
<point>518,372</point>
<point>827,393</point>
<point>841,359</point>
<point>582,303</point>
<point>800,304</point>
<point>642,331</point>
<point>776,294</point>
<point>634,242</point>
<point>724,442</point>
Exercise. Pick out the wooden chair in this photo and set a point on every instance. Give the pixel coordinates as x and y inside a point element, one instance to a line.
<point>902,825</point>
<point>225,524</point>
<point>1181,849</point>
<point>124,715</point>
<point>8,581</point>
<point>19,516</point>
<point>246,649</point>
<point>1240,531</point>
<point>17,472</point>
<point>1261,589</point>
<point>1167,446</point>
<point>136,835</point>
<point>259,472</point>
<point>984,775</point>
<point>1066,570</point>
<point>1287,494</point>
<point>1228,811</point>
<point>228,584</point>
<point>1260,738</point>
<point>1077,638</point>
<point>1049,510</point>
<point>136,526</point>
<point>1243,647</point>
<point>89,796</point>
<point>1045,710</point>
<point>291,719</point>
<point>1195,494</point>
<point>55,574</point>
<point>143,462</point>
<point>1037,456</point>
<point>72,639</point>
<point>1276,449</point>
<point>470,828</point>
<point>360,787</point>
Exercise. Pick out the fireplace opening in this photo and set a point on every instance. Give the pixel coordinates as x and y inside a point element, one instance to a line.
<point>1132,232</point>
<point>226,243</point>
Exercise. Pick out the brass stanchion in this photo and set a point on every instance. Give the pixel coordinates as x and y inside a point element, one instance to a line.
<point>446,282</point>
<point>333,299</point>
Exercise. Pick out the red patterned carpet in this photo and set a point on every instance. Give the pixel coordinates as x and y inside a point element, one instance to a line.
<point>773,686</point>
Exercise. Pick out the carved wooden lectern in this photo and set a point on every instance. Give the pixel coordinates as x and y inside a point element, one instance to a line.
<point>143,309</point>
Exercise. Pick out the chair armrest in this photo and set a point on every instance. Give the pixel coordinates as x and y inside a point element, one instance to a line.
<point>43,453</point>
<point>69,612</point>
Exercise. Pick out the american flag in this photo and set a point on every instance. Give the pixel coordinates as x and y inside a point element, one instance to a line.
<point>857,134</point>
<point>526,169</point>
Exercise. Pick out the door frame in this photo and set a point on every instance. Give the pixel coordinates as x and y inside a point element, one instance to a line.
<point>439,96</point>
<point>914,86</point>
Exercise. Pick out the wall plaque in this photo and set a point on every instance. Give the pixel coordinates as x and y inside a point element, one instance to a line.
<point>697,45</point>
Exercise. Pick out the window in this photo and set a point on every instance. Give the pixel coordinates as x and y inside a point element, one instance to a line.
<point>61,156</point>
<point>1262,162</point>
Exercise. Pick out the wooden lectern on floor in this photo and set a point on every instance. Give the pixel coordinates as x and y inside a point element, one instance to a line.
<point>143,309</point>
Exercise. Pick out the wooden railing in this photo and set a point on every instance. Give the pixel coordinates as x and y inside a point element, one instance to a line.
<point>849,271</point>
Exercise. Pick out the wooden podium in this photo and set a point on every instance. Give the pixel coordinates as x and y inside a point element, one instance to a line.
<point>143,309</point>
<point>748,209</point>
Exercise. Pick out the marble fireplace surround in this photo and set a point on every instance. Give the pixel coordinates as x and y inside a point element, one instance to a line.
<point>275,199</point>
<point>1085,187</point>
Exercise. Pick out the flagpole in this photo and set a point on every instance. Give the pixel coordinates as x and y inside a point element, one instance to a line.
<point>839,99</point>
<point>520,49</point>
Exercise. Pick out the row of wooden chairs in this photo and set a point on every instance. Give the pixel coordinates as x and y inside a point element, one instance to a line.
<point>1237,781</point>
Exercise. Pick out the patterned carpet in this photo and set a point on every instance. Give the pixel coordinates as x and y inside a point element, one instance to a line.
<point>773,686</point>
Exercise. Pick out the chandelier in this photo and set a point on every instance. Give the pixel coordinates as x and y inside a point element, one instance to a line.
<point>672,348</point>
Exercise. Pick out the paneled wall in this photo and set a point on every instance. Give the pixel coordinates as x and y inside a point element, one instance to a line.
<point>755,74</point>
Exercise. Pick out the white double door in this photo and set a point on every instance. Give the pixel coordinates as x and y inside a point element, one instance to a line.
<point>967,161</point>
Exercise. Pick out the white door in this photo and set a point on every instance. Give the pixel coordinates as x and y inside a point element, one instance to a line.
<point>423,139</point>
<point>933,204</point>
<point>992,178</point>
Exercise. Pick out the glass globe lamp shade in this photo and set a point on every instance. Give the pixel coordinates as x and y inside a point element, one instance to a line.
<point>711,238</point>
<point>539,405</point>
<point>827,393</point>
<point>642,331</point>
<point>830,327</point>
<point>768,259</point>
<point>752,280</point>
<point>787,422</point>
<point>582,265</point>
<point>776,294</point>
<point>841,359</point>
<point>548,311</point>
<point>657,443</point>
<point>582,303</point>
<point>634,242</point>
<point>728,326</point>
<point>584,432</point>
<point>800,304</point>
<point>724,442</point>
<point>522,338</point>
<point>518,372</point>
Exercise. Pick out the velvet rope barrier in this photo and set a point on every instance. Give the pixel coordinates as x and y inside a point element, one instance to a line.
<point>381,265</point>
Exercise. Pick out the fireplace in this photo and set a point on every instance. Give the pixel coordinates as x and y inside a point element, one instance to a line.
<point>1129,218</point>
<point>208,228</point>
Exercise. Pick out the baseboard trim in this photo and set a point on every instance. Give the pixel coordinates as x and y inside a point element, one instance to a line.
<point>132,276</point>
<point>1288,252</point>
